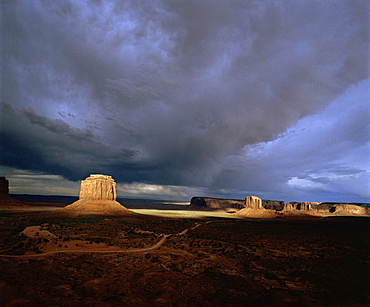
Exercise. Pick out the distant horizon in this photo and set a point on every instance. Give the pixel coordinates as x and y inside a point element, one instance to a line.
<point>174,201</point>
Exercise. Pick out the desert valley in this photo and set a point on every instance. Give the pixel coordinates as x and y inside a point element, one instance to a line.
<point>97,250</point>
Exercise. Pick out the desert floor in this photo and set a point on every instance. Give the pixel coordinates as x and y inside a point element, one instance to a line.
<point>184,259</point>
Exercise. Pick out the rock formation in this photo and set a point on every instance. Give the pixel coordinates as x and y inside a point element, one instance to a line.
<point>302,206</point>
<point>209,203</point>
<point>327,208</point>
<point>98,187</point>
<point>253,209</point>
<point>97,196</point>
<point>288,207</point>
<point>277,205</point>
<point>4,186</point>
<point>7,201</point>
<point>349,209</point>
<point>253,202</point>
<point>342,209</point>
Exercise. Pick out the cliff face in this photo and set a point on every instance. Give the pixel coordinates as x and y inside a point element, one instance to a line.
<point>4,186</point>
<point>251,206</point>
<point>254,209</point>
<point>328,208</point>
<point>209,203</point>
<point>277,205</point>
<point>7,201</point>
<point>98,195</point>
<point>342,208</point>
<point>253,202</point>
<point>98,187</point>
<point>302,206</point>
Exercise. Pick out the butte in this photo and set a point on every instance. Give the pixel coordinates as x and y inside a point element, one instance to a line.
<point>8,202</point>
<point>97,196</point>
<point>253,209</point>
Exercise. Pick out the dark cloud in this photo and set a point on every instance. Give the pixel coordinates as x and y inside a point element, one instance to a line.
<point>323,157</point>
<point>169,92</point>
<point>57,126</point>
<point>34,142</point>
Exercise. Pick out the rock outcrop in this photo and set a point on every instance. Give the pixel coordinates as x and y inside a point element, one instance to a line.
<point>253,209</point>
<point>342,209</point>
<point>7,201</point>
<point>277,205</point>
<point>302,206</point>
<point>327,208</point>
<point>97,196</point>
<point>209,203</point>
<point>4,186</point>
<point>349,209</point>
<point>98,187</point>
<point>288,207</point>
<point>253,202</point>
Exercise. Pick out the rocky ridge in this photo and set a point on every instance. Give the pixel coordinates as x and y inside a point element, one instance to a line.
<point>327,208</point>
<point>255,207</point>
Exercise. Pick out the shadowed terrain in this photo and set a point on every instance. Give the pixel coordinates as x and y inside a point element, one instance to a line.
<point>197,261</point>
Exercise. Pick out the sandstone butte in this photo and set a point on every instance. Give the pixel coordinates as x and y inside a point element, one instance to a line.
<point>253,208</point>
<point>7,201</point>
<point>316,208</point>
<point>98,195</point>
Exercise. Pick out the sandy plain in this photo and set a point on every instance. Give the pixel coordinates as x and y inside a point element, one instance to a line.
<point>182,258</point>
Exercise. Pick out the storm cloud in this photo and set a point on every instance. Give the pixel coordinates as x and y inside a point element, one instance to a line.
<point>182,93</point>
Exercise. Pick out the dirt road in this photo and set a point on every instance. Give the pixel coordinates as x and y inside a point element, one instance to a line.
<point>133,250</point>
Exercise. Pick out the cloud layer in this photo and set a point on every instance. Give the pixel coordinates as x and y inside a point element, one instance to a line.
<point>323,156</point>
<point>177,93</point>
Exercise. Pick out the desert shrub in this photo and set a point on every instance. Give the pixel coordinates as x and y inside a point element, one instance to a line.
<point>155,259</point>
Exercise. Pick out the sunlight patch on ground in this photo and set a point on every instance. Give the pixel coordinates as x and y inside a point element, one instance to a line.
<point>185,213</point>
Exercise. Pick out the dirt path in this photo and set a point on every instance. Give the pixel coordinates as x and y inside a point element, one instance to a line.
<point>186,230</point>
<point>133,250</point>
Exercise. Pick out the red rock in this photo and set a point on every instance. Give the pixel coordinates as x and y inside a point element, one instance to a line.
<point>97,196</point>
<point>253,202</point>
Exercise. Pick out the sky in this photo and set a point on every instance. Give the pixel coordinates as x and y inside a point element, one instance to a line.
<point>176,99</point>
